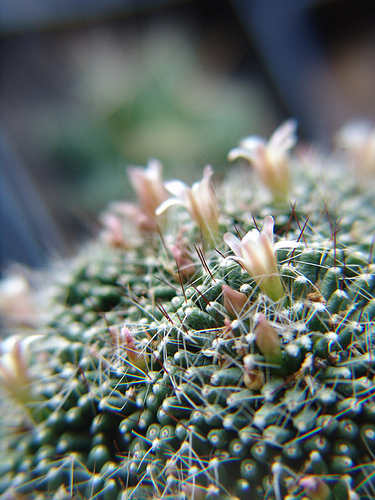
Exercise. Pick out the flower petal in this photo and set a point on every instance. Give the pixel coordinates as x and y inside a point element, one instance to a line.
<point>268,254</point>
<point>268,225</point>
<point>251,236</point>
<point>252,142</point>
<point>287,244</point>
<point>236,153</point>
<point>167,204</point>
<point>234,244</point>
<point>177,188</point>
<point>284,137</point>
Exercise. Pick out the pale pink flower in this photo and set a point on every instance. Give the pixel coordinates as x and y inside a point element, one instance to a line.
<point>199,200</point>
<point>256,253</point>
<point>18,306</point>
<point>270,159</point>
<point>14,371</point>
<point>149,187</point>
<point>358,138</point>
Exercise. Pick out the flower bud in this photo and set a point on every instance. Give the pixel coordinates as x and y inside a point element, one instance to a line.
<point>268,341</point>
<point>233,300</point>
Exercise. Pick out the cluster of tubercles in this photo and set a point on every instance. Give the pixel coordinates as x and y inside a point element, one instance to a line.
<point>222,354</point>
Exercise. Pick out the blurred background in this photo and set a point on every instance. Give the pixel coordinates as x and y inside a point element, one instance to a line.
<point>91,86</point>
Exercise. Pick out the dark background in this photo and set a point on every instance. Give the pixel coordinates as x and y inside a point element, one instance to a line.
<point>89,87</point>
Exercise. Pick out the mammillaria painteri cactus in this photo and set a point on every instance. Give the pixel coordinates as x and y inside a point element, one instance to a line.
<point>217,344</point>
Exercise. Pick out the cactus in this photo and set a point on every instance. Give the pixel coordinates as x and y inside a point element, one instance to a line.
<point>207,346</point>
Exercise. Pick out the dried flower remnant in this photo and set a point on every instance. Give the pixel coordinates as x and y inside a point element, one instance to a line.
<point>256,253</point>
<point>135,356</point>
<point>253,377</point>
<point>199,200</point>
<point>315,488</point>
<point>270,158</point>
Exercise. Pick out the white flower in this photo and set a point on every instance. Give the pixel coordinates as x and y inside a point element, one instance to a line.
<point>270,159</point>
<point>13,366</point>
<point>15,374</point>
<point>199,200</point>
<point>256,253</point>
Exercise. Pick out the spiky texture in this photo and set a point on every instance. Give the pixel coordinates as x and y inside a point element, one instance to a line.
<point>164,370</point>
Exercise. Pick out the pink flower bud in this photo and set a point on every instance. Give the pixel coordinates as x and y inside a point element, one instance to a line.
<point>233,300</point>
<point>113,230</point>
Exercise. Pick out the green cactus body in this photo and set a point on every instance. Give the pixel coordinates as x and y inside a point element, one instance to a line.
<point>145,384</point>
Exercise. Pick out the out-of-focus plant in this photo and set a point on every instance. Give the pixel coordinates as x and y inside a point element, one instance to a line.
<point>149,97</point>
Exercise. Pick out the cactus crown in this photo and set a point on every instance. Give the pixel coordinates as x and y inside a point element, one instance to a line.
<point>218,348</point>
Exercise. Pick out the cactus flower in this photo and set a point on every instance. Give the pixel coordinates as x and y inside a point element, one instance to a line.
<point>14,372</point>
<point>270,159</point>
<point>199,200</point>
<point>358,138</point>
<point>148,185</point>
<point>256,253</point>
<point>159,368</point>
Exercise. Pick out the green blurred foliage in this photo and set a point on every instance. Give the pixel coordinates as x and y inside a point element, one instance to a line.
<point>152,96</point>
